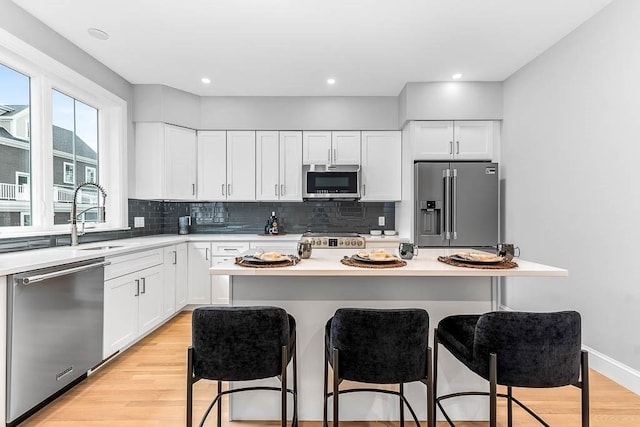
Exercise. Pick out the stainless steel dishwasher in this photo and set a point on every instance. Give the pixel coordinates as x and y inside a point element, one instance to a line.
<point>54,332</point>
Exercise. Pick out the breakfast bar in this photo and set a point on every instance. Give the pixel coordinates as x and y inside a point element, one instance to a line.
<point>314,288</point>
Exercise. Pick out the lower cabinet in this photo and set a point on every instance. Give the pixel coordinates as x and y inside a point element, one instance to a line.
<point>199,282</point>
<point>175,279</point>
<point>133,305</point>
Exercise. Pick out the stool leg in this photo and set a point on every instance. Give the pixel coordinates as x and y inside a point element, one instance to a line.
<point>295,386</point>
<point>431,413</point>
<point>336,421</point>
<point>283,386</point>
<point>401,391</point>
<point>219,408</point>
<point>434,382</point>
<point>584,365</point>
<point>325,387</point>
<point>493,380</point>
<point>189,386</point>
<point>509,406</point>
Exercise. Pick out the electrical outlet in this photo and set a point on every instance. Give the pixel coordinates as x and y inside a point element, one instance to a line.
<point>138,221</point>
<point>381,221</point>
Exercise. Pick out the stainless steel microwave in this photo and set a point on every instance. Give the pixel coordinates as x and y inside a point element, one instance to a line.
<point>331,182</point>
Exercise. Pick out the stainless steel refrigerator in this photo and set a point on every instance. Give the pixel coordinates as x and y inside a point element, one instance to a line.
<point>456,204</point>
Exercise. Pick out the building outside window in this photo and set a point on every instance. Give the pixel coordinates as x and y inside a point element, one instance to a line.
<point>75,155</point>
<point>15,148</point>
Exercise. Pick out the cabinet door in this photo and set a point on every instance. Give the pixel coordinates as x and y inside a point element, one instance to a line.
<point>241,165</point>
<point>212,165</point>
<point>267,162</point>
<point>169,288</point>
<point>473,140</point>
<point>179,163</point>
<point>381,166</point>
<point>290,166</point>
<point>345,148</point>
<point>199,283</point>
<point>120,313</point>
<point>316,148</point>
<point>150,299</point>
<point>181,276</point>
<point>433,140</point>
<point>149,161</point>
<point>220,292</point>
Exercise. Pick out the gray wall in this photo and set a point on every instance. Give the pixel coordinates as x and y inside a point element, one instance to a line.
<point>450,101</point>
<point>570,156</point>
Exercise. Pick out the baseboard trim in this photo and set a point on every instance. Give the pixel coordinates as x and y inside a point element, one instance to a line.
<point>622,374</point>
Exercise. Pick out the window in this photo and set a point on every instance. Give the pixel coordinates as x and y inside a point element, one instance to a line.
<point>68,175</point>
<point>15,148</point>
<point>51,115</point>
<point>75,143</point>
<point>89,174</point>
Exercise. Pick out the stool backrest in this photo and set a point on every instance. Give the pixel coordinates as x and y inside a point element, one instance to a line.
<point>383,346</point>
<point>238,343</point>
<point>533,349</point>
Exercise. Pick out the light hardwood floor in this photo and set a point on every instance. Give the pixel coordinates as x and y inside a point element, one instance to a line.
<point>145,387</point>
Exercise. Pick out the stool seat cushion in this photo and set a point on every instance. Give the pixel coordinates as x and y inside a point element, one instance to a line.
<point>533,349</point>
<point>380,346</point>
<point>240,343</point>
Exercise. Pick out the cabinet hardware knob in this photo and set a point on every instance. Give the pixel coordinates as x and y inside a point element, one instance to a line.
<point>457,147</point>
<point>228,189</point>
<point>450,147</point>
<point>144,285</point>
<point>281,189</point>
<point>193,189</point>
<point>223,189</point>
<point>137,288</point>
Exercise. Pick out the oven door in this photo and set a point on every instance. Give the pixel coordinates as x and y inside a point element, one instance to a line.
<point>333,184</point>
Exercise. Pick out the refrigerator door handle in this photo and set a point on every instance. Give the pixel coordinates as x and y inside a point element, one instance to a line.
<point>447,203</point>
<point>454,205</point>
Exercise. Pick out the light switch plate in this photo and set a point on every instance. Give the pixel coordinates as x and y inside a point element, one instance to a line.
<point>381,221</point>
<point>138,221</point>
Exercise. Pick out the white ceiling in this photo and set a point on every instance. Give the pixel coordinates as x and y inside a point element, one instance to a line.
<point>291,47</point>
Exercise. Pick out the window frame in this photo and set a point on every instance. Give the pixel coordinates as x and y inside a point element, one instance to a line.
<point>72,168</point>
<point>47,74</point>
<point>93,173</point>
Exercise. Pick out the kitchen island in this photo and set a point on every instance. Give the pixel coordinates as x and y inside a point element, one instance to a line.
<point>314,288</point>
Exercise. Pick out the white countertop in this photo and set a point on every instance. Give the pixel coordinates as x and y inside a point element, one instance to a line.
<point>326,262</point>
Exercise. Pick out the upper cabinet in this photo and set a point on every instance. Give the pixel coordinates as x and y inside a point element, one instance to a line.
<point>331,148</point>
<point>226,165</point>
<point>453,140</point>
<point>278,166</point>
<point>381,166</point>
<point>165,156</point>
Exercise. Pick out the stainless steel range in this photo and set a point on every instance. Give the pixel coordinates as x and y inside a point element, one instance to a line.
<point>334,240</point>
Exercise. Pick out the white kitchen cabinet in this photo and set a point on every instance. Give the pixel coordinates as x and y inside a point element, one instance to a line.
<point>133,298</point>
<point>165,162</point>
<point>175,279</point>
<point>331,148</point>
<point>453,140</point>
<point>224,252</point>
<point>198,279</point>
<point>381,169</point>
<point>278,166</point>
<point>226,165</point>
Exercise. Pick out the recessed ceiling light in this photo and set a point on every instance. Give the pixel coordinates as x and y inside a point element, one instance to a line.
<point>205,80</point>
<point>456,76</point>
<point>98,34</point>
<point>331,81</point>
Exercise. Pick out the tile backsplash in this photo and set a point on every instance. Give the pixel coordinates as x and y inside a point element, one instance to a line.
<point>229,218</point>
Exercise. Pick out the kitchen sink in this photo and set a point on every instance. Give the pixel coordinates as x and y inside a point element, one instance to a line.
<point>101,248</point>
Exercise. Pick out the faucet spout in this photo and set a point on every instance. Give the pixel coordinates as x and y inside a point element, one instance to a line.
<point>75,214</point>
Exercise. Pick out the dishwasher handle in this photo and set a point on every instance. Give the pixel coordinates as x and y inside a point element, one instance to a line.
<point>41,277</point>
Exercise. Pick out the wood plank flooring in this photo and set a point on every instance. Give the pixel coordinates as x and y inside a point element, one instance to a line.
<point>145,387</point>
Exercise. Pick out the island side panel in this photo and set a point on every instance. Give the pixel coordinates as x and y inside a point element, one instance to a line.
<point>313,300</point>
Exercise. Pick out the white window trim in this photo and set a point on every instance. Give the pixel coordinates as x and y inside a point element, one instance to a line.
<point>64,173</point>
<point>46,74</point>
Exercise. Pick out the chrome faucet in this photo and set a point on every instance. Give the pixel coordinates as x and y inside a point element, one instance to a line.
<point>75,214</point>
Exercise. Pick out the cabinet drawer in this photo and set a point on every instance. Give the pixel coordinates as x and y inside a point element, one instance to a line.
<point>129,263</point>
<point>229,248</point>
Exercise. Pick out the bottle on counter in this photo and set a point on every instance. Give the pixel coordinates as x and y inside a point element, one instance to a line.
<point>272,226</point>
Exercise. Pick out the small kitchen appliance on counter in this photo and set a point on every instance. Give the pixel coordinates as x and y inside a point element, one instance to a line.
<point>334,240</point>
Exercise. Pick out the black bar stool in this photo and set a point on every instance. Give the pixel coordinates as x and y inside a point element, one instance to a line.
<point>239,344</point>
<point>516,349</point>
<point>378,346</point>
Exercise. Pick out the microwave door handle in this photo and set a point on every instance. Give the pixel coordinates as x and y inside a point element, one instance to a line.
<point>447,203</point>
<point>454,205</point>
